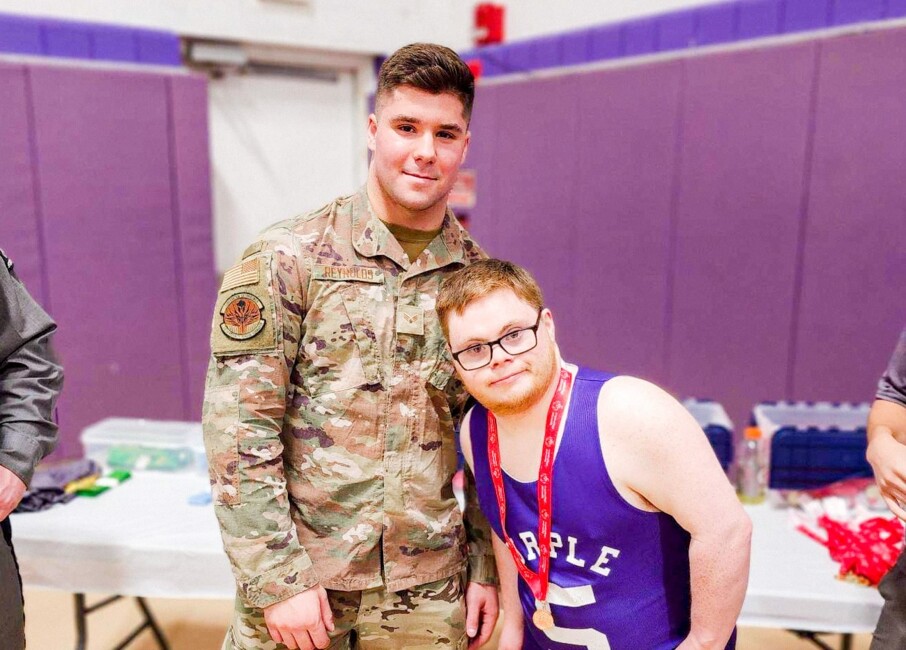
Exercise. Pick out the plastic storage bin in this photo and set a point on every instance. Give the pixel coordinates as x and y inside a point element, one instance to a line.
<point>138,444</point>
<point>813,443</point>
<point>716,424</point>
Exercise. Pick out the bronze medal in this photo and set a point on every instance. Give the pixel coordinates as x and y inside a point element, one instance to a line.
<point>542,618</point>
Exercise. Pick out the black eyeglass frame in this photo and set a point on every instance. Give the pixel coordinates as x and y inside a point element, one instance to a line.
<point>499,342</point>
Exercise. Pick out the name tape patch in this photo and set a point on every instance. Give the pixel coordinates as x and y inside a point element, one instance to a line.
<point>346,273</point>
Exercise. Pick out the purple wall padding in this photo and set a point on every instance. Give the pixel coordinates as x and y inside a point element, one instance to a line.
<point>113,44</point>
<point>758,18</point>
<point>801,15</point>
<point>102,140</point>
<point>158,47</point>
<point>717,23</point>
<point>738,223</point>
<point>852,302</point>
<point>20,35</point>
<point>537,208</point>
<point>482,157</point>
<point>619,230</point>
<point>605,42</point>
<point>640,37</point>
<point>576,47</point>
<point>195,249</point>
<point>854,11</point>
<point>66,39</point>
<point>19,224</point>
<point>676,30</point>
<point>896,8</point>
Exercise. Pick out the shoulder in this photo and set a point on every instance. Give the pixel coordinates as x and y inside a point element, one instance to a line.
<point>636,410</point>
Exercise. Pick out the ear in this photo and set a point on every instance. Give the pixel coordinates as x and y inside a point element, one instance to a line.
<point>372,131</point>
<point>547,320</point>
<point>465,149</point>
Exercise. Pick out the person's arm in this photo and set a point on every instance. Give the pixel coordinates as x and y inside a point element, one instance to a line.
<point>665,458</point>
<point>246,392</point>
<point>887,432</point>
<point>481,591</point>
<point>511,632</point>
<point>30,381</point>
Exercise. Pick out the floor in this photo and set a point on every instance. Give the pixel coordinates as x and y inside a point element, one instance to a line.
<point>200,624</point>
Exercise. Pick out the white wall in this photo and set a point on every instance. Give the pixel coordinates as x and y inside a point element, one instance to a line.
<point>375,26</point>
<point>279,147</point>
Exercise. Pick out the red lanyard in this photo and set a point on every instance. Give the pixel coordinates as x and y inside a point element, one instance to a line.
<point>536,581</point>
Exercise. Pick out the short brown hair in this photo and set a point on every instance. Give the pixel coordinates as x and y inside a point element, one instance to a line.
<point>433,68</point>
<point>477,280</point>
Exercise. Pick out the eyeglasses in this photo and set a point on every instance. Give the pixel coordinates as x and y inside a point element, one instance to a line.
<point>515,342</point>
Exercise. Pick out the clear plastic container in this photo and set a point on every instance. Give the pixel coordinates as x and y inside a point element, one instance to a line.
<point>136,444</point>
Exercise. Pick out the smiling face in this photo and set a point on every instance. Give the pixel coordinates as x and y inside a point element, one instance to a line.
<point>509,384</point>
<point>418,140</point>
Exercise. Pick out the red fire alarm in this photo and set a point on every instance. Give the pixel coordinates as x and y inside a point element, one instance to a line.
<point>488,23</point>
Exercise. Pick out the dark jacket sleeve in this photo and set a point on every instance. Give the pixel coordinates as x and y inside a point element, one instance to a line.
<point>30,379</point>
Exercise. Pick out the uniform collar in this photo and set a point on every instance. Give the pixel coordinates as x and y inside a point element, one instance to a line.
<point>371,238</point>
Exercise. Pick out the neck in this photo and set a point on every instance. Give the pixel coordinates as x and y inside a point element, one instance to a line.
<point>533,418</point>
<point>389,211</point>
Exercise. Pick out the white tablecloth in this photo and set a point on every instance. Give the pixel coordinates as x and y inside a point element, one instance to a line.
<point>143,538</point>
<point>792,584</point>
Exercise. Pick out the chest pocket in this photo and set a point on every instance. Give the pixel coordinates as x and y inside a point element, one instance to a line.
<point>339,342</point>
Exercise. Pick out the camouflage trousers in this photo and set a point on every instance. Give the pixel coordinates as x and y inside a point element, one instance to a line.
<point>432,615</point>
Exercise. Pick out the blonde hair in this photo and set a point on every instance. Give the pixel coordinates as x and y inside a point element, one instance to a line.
<point>477,280</point>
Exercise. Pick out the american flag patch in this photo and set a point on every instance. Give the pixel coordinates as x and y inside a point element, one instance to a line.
<point>244,273</point>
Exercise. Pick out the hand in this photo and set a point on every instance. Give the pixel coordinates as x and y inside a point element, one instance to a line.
<point>888,460</point>
<point>301,621</point>
<point>481,613</point>
<point>11,490</point>
<point>510,633</point>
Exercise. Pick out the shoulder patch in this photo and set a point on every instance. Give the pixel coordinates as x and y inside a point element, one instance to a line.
<point>246,272</point>
<point>245,319</point>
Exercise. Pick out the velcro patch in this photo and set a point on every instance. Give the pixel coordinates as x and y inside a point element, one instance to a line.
<point>245,321</point>
<point>346,273</point>
<point>245,273</point>
<point>241,316</point>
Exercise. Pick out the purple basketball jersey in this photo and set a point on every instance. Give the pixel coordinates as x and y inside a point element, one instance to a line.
<point>619,576</point>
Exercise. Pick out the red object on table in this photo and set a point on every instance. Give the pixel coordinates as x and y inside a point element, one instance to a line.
<point>865,553</point>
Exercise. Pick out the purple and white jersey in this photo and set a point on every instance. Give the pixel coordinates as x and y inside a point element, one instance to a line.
<point>619,576</point>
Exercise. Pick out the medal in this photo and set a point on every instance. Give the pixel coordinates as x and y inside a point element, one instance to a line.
<point>537,582</point>
<point>542,618</point>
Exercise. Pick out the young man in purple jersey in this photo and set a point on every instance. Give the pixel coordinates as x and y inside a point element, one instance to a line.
<point>615,526</point>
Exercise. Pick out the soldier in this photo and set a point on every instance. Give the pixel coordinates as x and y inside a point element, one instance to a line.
<point>331,399</point>
<point>30,380</point>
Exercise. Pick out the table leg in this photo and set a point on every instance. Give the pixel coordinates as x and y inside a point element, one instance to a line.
<point>80,613</point>
<point>846,641</point>
<point>155,628</point>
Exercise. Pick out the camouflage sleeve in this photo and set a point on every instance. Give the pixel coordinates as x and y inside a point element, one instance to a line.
<point>254,341</point>
<point>482,567</point>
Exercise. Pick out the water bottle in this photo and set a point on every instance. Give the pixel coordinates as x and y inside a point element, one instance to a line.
<point>751,474</point>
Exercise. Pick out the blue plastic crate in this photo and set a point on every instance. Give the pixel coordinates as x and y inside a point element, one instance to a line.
<point>718,428</point>
<point>813,444</point>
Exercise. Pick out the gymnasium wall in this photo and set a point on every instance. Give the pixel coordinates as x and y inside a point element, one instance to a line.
<point>730,224</point>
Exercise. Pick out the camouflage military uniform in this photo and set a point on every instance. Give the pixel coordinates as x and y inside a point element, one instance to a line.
<point>329,412</point>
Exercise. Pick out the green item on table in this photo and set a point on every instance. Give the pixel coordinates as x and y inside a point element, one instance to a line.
<point>132,457</point>
<point>92,491</point>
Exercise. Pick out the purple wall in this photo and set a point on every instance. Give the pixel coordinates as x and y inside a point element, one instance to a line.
<point>113,168</point>
<point>730,225</point>
<point>744,134</point>
<point>853,293</point>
